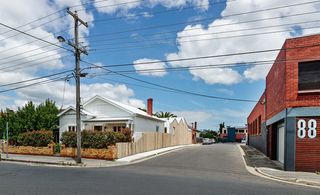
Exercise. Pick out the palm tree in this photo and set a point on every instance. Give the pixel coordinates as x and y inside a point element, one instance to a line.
<point>164,114</point>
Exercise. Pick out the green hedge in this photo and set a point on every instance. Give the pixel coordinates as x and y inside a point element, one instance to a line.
<point>34,138</point>
<point>93,139</point>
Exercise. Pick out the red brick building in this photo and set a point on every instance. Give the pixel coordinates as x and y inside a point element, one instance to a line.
<point>285,123</point>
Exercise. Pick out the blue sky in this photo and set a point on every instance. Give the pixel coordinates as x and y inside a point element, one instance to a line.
<point>118,46</point>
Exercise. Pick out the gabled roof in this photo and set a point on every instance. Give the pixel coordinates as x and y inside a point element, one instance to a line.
<point>122,106</point>
<point>178,119</point>
<point>72,108</point>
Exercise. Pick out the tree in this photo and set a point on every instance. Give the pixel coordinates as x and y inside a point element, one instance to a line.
<point>164,114</point>
<point>26,117</point>
<point>29,117</point>
<point>9,116</point>
<point>46,114</point>
<point>221,126</point>
<point>208,134</point>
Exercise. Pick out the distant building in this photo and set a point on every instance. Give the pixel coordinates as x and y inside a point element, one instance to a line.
<point>178,127</point>
<point>234,134</point>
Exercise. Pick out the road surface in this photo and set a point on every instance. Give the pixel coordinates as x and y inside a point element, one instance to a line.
<point>212,169</point>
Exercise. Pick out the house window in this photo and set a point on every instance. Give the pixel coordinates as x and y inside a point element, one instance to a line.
<point>118,128</point>
<point>165,130</point>
<point>240,131</point>
<point>309,76</point>
<point>259,125</point>
<point>71,128</point>
<point>157,128</point>
<point>97,128</point>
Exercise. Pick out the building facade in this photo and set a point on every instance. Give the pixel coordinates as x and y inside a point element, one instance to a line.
<point>234,134</point>
<point>284,124</point>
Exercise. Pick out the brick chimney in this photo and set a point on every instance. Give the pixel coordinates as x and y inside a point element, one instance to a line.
<point>149,106</point>
<point>195,125</point>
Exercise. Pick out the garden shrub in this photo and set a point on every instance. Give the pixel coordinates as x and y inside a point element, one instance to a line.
<point>69,139</point>
<point>34,138</point>
<point>127,135</point>
<point>57,148</point>
<point>93,139</point>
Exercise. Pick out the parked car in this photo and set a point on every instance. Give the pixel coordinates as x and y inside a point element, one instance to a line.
<point>207,141</point>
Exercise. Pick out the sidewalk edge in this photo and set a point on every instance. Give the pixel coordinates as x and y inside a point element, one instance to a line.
<point>257,172</point>
<point>156,154</point>
<point>42,163</point>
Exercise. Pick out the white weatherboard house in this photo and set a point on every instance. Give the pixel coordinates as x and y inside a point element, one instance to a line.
<point>102,114</point>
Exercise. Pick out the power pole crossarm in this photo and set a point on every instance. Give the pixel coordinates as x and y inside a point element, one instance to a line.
<point>75,16</point>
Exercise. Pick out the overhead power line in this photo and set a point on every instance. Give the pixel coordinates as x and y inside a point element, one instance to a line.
<point>2,24</point>
<point>237,14</point>
<point>33,21</point>
<point>160,39</point>
<point>153,13</point>
<point>30,56</point>
<point>208,56</point>
<point>204,19</point>
<point>212,27</point>
<point>116,49</point>
<point>33,84</point>
<point>31,63</point>
<point>171,88</point>
<point>34,79</point>
<point>38,26</point>
<point>216,26</point>
<point>203,67</point>
<point>215,33</point>
<point>115,38</point>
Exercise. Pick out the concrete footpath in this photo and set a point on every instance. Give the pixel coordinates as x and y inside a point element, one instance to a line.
<point>258,164</point>
<point>68,161</point>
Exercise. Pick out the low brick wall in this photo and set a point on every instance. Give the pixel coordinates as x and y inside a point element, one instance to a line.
<point>107,154</point>
<point>46,151</point>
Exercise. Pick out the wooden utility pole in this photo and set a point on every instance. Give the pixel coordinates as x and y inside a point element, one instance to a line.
<point>77,53</point>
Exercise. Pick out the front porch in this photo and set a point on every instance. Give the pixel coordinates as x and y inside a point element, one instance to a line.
<point>108,124</point>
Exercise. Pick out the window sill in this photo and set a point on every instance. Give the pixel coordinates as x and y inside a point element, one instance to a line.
<point>309,91</point>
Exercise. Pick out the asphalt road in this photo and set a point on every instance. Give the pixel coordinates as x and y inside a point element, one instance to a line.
<point>213,169</point>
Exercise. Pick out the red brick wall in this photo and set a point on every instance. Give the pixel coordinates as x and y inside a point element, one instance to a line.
<point>308,150</point>
<point>308,49</point>
<point>275,85</point>
<point>257,111</point>
<point>282,79</point>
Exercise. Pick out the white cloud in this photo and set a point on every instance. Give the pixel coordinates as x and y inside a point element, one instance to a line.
<point>123,7</point>
<point>256,72</point>
<point>26,66</point>
<point>54,91</point>
<point>155,64</point>
<point>215,44</point>
<point>31,55</point>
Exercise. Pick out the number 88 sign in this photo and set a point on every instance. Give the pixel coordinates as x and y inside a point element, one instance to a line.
<point>307,128</point>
